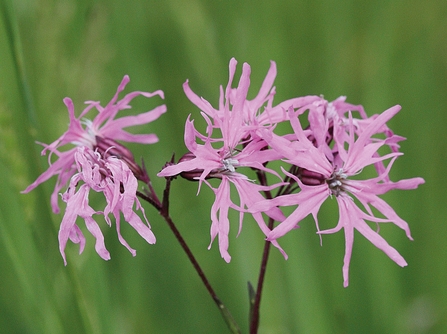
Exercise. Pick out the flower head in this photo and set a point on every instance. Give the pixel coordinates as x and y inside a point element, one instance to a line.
<point>204,161</point>
<point>236,146</point>
<point>322,174</point>
<point>103,165</point>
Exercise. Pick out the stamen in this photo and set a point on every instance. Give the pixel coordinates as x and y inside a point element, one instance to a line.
<point>229,164</point>
<point>336,182</point>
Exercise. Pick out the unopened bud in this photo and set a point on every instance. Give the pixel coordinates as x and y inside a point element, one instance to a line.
<point>310,178</point>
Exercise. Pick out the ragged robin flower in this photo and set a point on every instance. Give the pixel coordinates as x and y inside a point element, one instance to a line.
<point>98,162</point>
<point>235,148</point>
<point>336,175</point>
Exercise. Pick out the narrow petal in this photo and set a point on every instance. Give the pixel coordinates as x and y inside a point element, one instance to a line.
<point>242,89</point>
<point>366,198</point>
<point>100,246</point>
<point>199,102</point>
<point>356,150</point>
<point>65,161</point>
<point>115,129</point>
<point>76,236</point>
<point>120,236</point>
<point>378,241</point>
<point>266,87</point>
<point>309,201</point>
<point>220,225</point>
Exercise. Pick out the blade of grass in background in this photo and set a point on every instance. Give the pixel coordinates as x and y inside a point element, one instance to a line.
<point>26,223</point>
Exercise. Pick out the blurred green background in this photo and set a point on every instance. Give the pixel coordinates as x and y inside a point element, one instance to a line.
<point>378,53</point>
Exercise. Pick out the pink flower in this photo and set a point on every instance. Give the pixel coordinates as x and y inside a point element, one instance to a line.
<point>103,127</point>
<point>103,164</point>
<point>204,161</point>
<point>321,175</point>
<point>237,145</point>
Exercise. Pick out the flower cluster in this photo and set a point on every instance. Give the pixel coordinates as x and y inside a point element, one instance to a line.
<point>98,162</point>
<point>322,160</point>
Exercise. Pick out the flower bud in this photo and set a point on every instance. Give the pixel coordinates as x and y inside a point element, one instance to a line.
<point>310,178</point>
